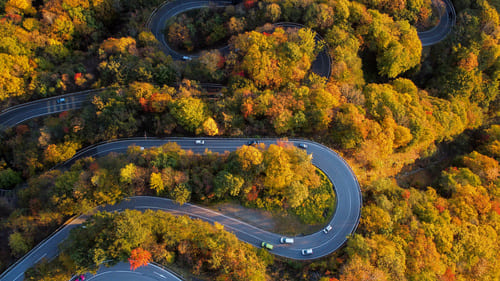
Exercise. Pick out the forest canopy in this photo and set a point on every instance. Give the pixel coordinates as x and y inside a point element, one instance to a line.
<point>418,125</point>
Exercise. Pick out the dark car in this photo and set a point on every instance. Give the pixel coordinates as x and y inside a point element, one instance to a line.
<point>253,142</point>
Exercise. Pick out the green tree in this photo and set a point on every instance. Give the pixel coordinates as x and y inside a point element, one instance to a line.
<point>9,178</point>
<point>376,220</point>
<point>296,193</point>
<point>181,193</point>
<point>226,182</point>
<point>18,244</point>
<point>396,43</point>
<point>189,112</point>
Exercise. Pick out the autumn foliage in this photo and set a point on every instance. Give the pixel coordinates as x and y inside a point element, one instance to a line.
<point>139,257</point>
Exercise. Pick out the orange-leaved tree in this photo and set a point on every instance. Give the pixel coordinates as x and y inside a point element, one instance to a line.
<point>139,257</point>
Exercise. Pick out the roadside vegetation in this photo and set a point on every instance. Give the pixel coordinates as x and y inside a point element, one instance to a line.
<point>208,250</point>
<point>211,27</point>
<point>275,178</point>
<point>388,106</point>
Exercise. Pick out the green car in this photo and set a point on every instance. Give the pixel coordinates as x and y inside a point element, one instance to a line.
<point>267,245</point>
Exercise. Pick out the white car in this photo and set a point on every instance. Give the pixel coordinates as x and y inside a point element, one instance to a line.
<point>61,100</point>
<point>327,229</point>
<point>186,58</point>
<point>200,142</point>
<point>307,252</point>
<point>286,240</point>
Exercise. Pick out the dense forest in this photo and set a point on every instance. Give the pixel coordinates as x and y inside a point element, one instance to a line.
<point>204,248</point>
<point>418,125</point>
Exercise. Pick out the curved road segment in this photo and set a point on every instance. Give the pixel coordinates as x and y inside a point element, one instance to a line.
<point>17,114</point>
<point>321,65</point>
<point>440,31</point>
<point>347,188</point>
<point>344,221</point>
<point>20,113</point>
<point>122,272</point>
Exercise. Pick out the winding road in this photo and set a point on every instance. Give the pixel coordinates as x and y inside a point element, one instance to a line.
<point>349,201</point>
<point>20,113</point>
<point>344,221</point>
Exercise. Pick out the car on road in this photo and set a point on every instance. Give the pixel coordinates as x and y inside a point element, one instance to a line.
<point>286,240</point>
<point>302,145</point>
<point>327,229</point>
<point>253,142</point>
<point>307,252</point>
<point>60,100</point>
<point>267,245</point>
<point>186,58</point>
<point>200,142</point>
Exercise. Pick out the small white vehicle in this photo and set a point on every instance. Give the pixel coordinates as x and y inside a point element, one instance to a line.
<point>327,229</point>
<point>286,240</point>
<point>307,252</point>
<point>200,142</point>
<point>61,100</point>
<point>186,58</point>
<point>302,145</point>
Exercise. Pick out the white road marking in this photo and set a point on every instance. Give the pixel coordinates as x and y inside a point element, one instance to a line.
<point>113,271</point>
<point>40,258</point>
<point>22,273</point>
<point>209,219</point>
<point>161,275</point>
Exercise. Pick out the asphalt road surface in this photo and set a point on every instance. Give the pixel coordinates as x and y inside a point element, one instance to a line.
<point>440,31</point>
<point>347,189</point>
<point>20,113</point>
<point>170,9</point>
<point>322,65</point>
<point>122,272</point>
<point>344,221</point>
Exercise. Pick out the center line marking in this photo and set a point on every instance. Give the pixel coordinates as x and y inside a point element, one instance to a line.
<point>40,258</point>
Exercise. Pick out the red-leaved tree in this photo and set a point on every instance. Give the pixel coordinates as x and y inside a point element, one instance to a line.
<point>139,257</point>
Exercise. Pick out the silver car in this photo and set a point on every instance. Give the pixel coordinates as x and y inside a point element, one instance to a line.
<point>327,229</point>
<point>307,252</point>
